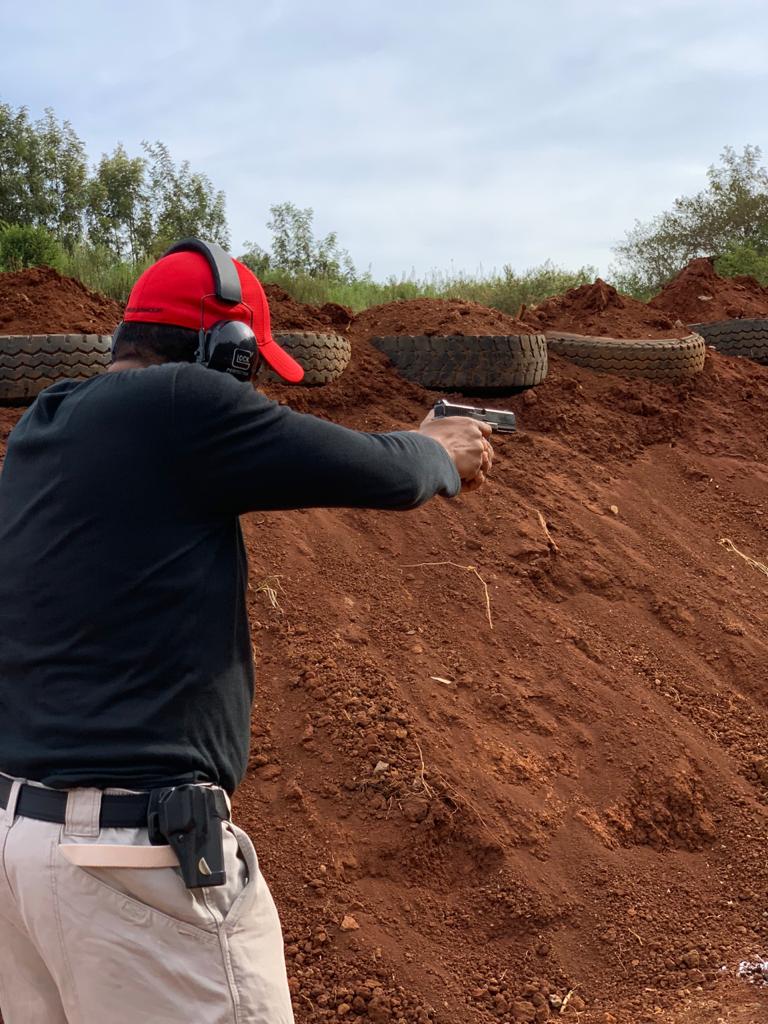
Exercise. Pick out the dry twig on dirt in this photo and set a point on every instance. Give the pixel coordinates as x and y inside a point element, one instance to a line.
<point>550,539</point>
<point>462,800</point>
<point>427,788</point>
<point>730,546</point>
<point>271,586</point>
<point>466,568</point>
<point>455,796</point>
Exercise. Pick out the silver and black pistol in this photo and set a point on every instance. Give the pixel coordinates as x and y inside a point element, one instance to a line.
<point>500,420</point>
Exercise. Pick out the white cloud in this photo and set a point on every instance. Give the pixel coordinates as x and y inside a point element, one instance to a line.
<point>738,53</point>
<point>423,132</point>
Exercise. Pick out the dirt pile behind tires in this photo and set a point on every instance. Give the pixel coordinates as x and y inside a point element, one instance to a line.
<point>699,295</point>
<point>53,327</point>
<point>441,317</point>
<point>42,301</point>
<point>287,314</point>
<point>454,345</point>
<point>599,309</point>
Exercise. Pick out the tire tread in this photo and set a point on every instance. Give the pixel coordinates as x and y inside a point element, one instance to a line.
<point>655,358</point>
<point>747,338</point>
<point>30,363</point>
<point>324,357</point>
<point>475,363</point>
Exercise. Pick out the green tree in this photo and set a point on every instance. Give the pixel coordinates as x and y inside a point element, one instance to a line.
<point>15,199</point>
<point>118,215</point>
<point>296,250</point>
<point>256,259</point>
<point>129,207</point>
<point>43,174</point>
<point>182,202</point>
<point>730,213</point>
<point>62,173</point>
<point>743,259</point>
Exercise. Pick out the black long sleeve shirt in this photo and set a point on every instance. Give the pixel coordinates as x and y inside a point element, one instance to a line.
<point>125,655</point>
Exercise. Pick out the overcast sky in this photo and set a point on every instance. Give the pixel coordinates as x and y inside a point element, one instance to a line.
<point>430,135</point>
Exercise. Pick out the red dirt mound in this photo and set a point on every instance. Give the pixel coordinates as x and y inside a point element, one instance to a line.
<point>569,802</point>
<point>475,825</point>
<point>435,316</point>
<point>289,315</point>
<point>699,296</point>
<point>598,309</point>
<point>42,301</point>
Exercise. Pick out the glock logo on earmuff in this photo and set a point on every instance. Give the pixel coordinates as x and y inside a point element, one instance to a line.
<point>241,359</point>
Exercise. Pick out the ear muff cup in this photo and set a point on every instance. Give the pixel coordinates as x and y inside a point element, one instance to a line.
<point>229,346</point>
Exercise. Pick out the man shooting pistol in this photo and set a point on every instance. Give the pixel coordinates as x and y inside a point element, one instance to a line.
<point>126,671</point>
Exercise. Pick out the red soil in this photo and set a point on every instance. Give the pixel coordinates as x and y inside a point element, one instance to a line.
<point>571,802</point>
<point>435,316</point>
<point>598,309</point>
<point>289,315</point>
<point>41,301</point>
<point>698,295</point>
<point>583,804</point>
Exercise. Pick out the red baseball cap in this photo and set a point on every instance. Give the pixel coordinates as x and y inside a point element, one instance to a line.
<point>179,289</point>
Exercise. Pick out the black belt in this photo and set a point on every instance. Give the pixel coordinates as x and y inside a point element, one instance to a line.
<point>51,805</point>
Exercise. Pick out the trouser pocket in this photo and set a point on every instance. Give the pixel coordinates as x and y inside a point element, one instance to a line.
<point>161,890</point>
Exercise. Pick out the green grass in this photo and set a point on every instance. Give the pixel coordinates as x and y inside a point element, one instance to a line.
<point>100,271</point>
<point>506,290</point>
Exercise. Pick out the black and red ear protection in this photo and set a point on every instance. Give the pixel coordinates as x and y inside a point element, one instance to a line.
<point>229,346</point>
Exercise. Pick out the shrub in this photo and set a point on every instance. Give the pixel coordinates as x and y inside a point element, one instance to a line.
<point>24,246</point>
<point>743,259</point>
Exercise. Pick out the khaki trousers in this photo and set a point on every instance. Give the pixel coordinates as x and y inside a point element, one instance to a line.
<point>118,945</point>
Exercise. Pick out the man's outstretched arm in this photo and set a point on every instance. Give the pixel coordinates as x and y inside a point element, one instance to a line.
<point>240,451</point>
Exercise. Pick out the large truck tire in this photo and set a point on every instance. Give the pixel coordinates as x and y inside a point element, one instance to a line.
<point>747,338</point>
<point>30,363</point>
<point>472,364</point>
<point>323,356</point>
<point>656,358</point>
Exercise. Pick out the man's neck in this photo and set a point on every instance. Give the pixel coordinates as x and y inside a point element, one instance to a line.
<point>127,364</point>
